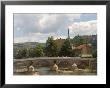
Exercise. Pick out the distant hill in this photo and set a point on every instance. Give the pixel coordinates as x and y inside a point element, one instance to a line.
<point>27,45</point>
<point>92,39</point>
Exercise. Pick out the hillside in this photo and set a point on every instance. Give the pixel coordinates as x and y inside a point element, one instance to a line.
<point>27,45</point>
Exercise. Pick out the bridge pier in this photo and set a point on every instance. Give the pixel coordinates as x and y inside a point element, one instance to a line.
<point>82,63</point>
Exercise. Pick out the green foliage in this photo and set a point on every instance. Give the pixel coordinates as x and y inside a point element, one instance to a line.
<point>78,40</point>
<point>39,51</point>
<point>94,53</point>
<point>51,47</point>
<point>35,52</point>
<point>31,52</point>
<point>77,53</point>
<point>66,49</point>
<point>94,45</point>
<point>54,48</point>
<point>20,53</point>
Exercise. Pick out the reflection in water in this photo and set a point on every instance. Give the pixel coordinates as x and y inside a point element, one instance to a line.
<point>47,71</point>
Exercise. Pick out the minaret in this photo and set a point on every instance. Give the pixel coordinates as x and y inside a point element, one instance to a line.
<point>68,34</point>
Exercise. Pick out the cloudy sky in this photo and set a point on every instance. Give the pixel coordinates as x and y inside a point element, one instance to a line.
<point>38,27</point>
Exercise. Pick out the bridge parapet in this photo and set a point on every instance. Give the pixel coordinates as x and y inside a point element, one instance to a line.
<point>60,61</point>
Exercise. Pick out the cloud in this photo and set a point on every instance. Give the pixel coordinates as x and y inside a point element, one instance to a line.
<point>37,27</point>
<point>84,28</point>
<point>43,23</point>
<point>33,37</point>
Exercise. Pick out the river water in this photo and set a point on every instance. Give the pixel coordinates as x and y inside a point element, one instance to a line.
<point>47,71</point>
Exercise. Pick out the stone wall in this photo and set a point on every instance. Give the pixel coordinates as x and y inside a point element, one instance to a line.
<point>81,63</point>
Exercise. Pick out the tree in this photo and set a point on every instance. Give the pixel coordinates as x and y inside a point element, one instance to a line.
<point>66,49</point>
<point>94,53</point>
<point>21,53</point>
<point>35,52</point>
<point>39,51</point>
<point>51,47</point>
<point>32,52</point>
<point>78,40</point>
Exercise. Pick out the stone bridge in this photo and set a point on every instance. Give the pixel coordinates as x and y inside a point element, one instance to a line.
<point>60,61</point>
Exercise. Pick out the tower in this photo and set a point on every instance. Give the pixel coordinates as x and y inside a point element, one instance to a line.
<point>68,34</point>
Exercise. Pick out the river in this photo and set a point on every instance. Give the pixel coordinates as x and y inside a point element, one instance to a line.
<point>47,71</point>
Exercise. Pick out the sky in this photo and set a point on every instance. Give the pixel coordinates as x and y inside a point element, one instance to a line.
<point>38,27</point>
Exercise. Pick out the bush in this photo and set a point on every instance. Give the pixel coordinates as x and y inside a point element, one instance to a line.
<point>94,53</point>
